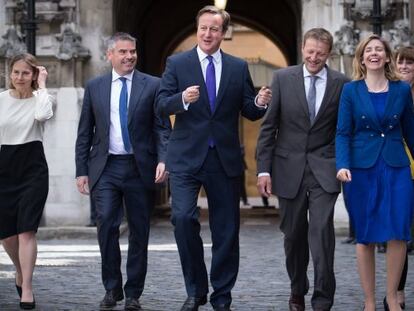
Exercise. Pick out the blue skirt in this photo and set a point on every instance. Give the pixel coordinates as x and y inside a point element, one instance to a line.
<point>379,200</point>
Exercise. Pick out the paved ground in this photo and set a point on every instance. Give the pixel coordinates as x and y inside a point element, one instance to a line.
<point>67,276</point>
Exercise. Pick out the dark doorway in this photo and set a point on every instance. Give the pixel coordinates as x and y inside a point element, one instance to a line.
<point>161,25</point>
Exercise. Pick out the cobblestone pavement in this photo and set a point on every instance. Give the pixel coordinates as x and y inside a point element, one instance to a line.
<point>67,276</point>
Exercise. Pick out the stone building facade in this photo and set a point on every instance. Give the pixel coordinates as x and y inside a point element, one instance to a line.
<point>70,41</point>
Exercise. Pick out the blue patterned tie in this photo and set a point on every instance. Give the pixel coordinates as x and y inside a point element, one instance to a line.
<point>211,83</point>
<point>123,114</point>
<point>211,89</point>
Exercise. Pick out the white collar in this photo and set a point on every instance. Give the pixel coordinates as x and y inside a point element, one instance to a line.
<point>322,74</point>
<point>216,55</point>
<point>116,76</point>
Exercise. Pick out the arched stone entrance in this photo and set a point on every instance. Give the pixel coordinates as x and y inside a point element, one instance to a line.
<point>161,25</point>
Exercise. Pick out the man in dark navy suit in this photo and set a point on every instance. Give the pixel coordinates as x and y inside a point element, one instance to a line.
<point>120,155</point>
<point>207,90</point>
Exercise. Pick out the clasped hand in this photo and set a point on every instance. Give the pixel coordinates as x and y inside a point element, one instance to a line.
<point>344,175</point>
<point>264,96</point>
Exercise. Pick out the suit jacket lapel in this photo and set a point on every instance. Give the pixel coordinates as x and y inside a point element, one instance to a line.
<point>389,102</point>
<point>330,90</point>
<point>137,87</point>
<point>224,79</point>
<point>105,99</point>
<point>298,84</point>
<point>194,62</point>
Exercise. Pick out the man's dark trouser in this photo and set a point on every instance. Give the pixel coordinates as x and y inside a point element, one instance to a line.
<point>317,233</point>
<point>119,185</point>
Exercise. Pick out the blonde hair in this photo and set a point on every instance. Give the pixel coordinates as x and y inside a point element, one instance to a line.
<point>359,69</point>
<point>319,34</point>
<point>30,60</point>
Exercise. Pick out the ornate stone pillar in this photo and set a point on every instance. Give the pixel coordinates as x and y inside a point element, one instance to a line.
<point>324,13</point>
<point>96,24</point>
<point>60,47</point>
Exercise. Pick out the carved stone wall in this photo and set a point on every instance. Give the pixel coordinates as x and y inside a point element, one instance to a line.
<point>397,25</point>
<point>59,44</point>
<point>70,43</point>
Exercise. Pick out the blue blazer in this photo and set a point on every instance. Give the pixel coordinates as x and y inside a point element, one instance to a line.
<point>361,138</point>
<point>148,131</point>
<point>188,144</point>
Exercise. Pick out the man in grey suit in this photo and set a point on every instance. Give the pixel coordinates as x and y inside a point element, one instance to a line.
<point>296,162</point>
<point>120,155</point>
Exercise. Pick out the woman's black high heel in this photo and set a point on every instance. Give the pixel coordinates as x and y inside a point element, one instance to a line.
<point>28,305</point>
<point>386,308</point>
<point>19,290</point>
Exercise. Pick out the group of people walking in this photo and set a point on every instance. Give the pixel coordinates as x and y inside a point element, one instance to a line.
<point>319,129</point>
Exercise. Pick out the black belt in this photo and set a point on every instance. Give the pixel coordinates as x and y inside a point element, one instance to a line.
<point>121,156</point>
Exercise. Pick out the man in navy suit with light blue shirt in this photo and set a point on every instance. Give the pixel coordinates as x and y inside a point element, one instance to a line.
<point>207,90</point>
<point>120,155</point>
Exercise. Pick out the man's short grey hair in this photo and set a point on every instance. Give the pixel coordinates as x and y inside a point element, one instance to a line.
<point>119,36</point>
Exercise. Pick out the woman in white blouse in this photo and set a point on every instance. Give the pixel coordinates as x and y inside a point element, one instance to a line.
<point>24,177</point>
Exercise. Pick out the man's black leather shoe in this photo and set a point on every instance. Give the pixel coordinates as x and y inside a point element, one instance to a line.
<point>132,304</point>
<point>192,303</point>
<point>110,299</point>
<point>222,308</point>
<point>296,303</point>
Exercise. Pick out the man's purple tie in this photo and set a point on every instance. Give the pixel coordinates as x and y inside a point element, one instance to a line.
<point>211,89</point>
<point>211,82</point>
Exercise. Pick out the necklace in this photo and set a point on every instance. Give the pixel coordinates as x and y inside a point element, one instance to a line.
<point>376,90</point>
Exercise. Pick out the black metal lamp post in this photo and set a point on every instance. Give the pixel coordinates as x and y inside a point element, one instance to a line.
<point>377,17</point>
<point>29,27</point>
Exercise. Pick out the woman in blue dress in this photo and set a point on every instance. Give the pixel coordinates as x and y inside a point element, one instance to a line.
<point>375,117</point>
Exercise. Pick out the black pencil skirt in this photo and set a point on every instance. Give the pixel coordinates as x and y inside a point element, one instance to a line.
<point>24,185</point>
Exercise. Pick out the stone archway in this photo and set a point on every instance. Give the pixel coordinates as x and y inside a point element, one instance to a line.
<point>161,25</point>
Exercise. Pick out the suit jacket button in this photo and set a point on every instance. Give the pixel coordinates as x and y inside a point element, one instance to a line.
<point>367,126</point>
<point>363,117</point>
<point>390,126</point>
<point>395,116</point>
<point>382,135</point>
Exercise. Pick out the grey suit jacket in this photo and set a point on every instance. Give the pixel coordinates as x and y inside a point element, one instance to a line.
<point>288,140</point>
<point>148,132</point>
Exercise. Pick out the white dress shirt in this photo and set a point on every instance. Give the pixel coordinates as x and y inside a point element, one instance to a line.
<point>202,57</point>
<point>320,85</point>
<point>217,64</point>
<point>116,144</point>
